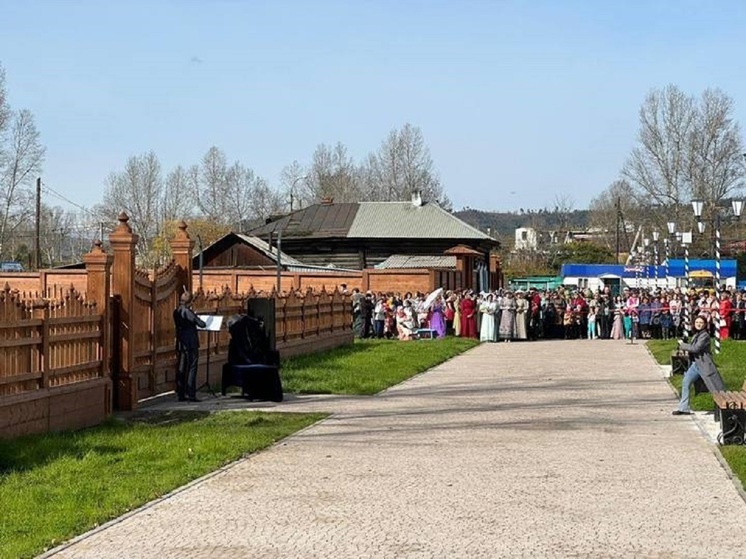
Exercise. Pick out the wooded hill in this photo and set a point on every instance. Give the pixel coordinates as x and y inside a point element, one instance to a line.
<point>505,223</point>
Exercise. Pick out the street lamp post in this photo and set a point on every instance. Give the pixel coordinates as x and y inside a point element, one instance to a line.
<point>292,190</point>
<point>656,236</point>
<point>697,206</point>
<point>686,239</point>
<point>646,259</point>
<point>671,226</point>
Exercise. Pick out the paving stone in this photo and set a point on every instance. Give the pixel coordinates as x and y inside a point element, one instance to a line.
<point>544,449</point>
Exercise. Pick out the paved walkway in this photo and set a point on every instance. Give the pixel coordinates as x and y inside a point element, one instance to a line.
<point>546,449</point>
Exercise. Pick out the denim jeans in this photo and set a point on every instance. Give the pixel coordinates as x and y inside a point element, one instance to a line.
<point>690,377</point>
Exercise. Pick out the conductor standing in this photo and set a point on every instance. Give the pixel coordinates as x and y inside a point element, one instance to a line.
<point>187,348</point>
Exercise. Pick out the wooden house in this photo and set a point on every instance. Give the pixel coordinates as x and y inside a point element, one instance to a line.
<point>365,234</point>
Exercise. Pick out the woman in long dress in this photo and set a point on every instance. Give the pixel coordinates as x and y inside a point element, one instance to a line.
<point>487,308</point>
<point>617,327</point>
<point>457,315</point>
<point>437,318</point>
<point>521,314</point>
<point>469,316</point>
<point>507,317</point>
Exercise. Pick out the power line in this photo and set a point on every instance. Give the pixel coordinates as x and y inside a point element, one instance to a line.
<point>49,190</point>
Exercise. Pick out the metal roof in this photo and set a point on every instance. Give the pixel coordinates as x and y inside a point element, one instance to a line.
<point>409,261</point>
<point>317,221</point>
<point>404,220</point>
<point>268,251</point>
<point>381,220</point>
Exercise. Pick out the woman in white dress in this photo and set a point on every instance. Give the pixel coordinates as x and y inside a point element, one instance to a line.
<point>487,307</point>
<point>617,327</point>
<point>507,317</point>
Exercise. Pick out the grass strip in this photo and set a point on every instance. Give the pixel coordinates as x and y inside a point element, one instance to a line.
<point>54,487</point>
<point>367,366</point>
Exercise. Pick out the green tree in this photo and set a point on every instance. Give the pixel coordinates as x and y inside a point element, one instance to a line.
<point>585,252</point>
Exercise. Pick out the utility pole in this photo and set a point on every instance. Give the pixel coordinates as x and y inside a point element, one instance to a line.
<point>618,219</point>
<point>37,247</point>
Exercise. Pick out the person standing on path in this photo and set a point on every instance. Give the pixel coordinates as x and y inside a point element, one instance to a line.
<point>187,348</point>
<point>702,366</point>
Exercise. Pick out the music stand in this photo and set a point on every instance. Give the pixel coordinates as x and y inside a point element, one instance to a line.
<point>213,323</point>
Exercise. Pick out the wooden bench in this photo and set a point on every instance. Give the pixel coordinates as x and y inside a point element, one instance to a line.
<point>730,410</point>
<point>425,334</point>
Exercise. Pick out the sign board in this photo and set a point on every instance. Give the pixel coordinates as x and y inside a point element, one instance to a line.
<point>213,323</point>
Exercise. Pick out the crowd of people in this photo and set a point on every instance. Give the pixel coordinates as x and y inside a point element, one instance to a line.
<point>506,315</point>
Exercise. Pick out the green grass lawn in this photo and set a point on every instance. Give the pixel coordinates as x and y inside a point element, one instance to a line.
<point>367,366</point>
<point>731,363</point>
<point>53,487</point>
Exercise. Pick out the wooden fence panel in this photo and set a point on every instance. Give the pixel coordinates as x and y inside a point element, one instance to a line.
<point>326,313</point>
<point>293,316</point>
<point>20,341</point>
<point>47,343</point>
<point>310,314</point>
<point>74,340</point>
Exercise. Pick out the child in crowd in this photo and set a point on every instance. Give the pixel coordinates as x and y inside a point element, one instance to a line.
<point>591,323</point>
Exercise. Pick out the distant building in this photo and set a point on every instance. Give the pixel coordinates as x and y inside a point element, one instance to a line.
<point>618,276</point>
<point>526,238</point>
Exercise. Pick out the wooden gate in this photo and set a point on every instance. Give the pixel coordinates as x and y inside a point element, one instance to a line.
<point>143,342</point>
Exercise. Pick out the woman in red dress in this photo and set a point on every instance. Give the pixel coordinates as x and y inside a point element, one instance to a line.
<point>468,316</point>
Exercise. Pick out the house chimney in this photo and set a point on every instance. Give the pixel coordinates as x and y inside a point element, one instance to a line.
<point>327,201</point>
<point>416,198</point>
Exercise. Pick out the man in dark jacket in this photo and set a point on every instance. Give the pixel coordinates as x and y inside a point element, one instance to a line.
<point>366,315</point>
<point>187,348</point>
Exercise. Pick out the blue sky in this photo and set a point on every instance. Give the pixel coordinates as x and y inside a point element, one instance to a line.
<point>519,101</point>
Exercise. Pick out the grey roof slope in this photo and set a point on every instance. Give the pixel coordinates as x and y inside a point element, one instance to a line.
<point>372,220</point>
<point>269,252</point>
<point>417,261</point>
<point>403,220</point>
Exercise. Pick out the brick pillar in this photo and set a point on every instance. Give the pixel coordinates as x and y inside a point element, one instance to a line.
<point>123,242</point>
<point>182,248</point>
<point>496,269</point>
<point>98,268</point>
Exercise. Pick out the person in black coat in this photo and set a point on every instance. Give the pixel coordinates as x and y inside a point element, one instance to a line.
<point>366,315</point>
<point>187,348</point>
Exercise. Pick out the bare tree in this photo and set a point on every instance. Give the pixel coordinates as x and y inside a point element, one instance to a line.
<point>247,197</point>
<point>137,190</point>
<point>295,186</point>
<point>403,165</point>
<point>4,108</point>
<point>715,149</point>
<point>616,207</point>
<point>212,185</point>
<point>563,206</point>
<point>21,157</point>
<point>659,166</point>
<point>333,175</point>
<point>687,148</point>
<point>178,194</point>
<point>57,228</point>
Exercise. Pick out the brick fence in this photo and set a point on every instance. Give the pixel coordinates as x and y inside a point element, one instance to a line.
<point>69,356</point>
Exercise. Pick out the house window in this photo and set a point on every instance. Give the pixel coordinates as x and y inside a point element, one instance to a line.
<point>524,235</point>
